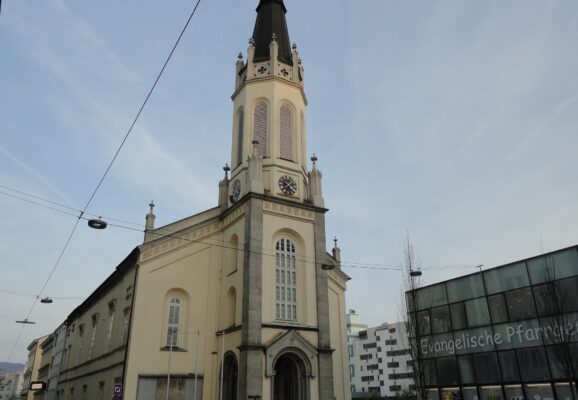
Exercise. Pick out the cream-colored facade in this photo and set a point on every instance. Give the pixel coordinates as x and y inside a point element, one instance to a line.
<point>32,367</point>
<point>241,301</point>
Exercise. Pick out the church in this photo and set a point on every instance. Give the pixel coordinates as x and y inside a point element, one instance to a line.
<point>241,301</point>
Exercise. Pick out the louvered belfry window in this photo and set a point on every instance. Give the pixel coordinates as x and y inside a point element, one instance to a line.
<point>285,280</point>
<point>286,134</point>
<point>260,122</point>
<point>240,138</point>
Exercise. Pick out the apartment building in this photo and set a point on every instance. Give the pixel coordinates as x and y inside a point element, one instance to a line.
<point>380,362</point>
<point>10,386</point>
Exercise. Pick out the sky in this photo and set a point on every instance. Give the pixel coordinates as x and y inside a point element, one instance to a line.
<point>453,122</point>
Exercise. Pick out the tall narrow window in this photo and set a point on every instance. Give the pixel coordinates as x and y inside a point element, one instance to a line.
<point>286,133</point>
<point>285,280</point>
<point>80,335</point>
<point>125,322</point>
<point>240,137</point>
<point>110,325</point>
<point>173,322</point>
<point>260,129</point>
<point>93,336</point>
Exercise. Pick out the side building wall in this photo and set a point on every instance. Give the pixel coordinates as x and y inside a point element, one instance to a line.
<point>178,312</point>
<point>96,338</point>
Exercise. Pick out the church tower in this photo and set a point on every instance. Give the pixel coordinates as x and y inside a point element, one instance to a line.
<point>269,151</point>
<point>241,301</point>
<point>291,334</point>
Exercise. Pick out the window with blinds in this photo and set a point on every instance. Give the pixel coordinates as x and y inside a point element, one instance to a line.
<point>286,133</point>
<point>240,138</point>
<point>285,280</point>
<point>173,322</point>
<point>260,127</point>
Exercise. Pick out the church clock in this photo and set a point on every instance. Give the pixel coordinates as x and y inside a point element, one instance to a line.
<point>236,191</point>
<point>287,185</point>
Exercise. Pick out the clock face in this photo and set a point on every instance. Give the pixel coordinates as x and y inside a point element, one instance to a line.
<point>287,185</point>
<point>236,190</point>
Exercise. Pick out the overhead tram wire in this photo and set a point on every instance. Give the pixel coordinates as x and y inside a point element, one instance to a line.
<point>58,204</point>
<point>80,216</point>
<point>168,233</point>
<point>262,251</point>
<point>23,294</point>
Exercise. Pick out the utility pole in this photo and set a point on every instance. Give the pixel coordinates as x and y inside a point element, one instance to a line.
<point>171,332</point>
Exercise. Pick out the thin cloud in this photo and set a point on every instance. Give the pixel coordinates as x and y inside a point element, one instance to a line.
<point>479,132</point>
<point>35,174</point>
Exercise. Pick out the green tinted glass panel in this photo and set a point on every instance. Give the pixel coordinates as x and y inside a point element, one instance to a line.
<point>466,368</point>
<point>486,365</point>
<point>555,266</point>
<point>534,365</point>
<point>431,296</point>
<point>465,288</point>
<point>440,319</point>
<point>521,304</point>
<point>506,278</point>
<point>560,362</point>
<point>458,316</point>
<point>448,371</point>
<point>477,312</point>
<point>423,323</point>
<point>509,366</point>
<point>498,308</point>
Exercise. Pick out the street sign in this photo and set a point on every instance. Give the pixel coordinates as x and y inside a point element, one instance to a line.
<point>117,392</point>
<point>37,386</point>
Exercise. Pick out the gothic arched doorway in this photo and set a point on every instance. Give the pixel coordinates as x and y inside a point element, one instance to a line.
<point>230,377</point>
<point>290,382</point>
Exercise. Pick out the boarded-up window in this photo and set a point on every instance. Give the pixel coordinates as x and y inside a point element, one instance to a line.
<point>260,133</point>
<point>286,134</point>
<point>181,388</point>
<point>240,139</point>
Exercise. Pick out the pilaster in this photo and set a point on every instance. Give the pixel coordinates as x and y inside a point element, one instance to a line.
<point>251,350</point>
<point>324,345</point>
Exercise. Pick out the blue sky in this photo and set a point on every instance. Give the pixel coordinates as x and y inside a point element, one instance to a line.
<point>454,120</point>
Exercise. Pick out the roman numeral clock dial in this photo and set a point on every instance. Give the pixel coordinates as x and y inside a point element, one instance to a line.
<point>287,185</point>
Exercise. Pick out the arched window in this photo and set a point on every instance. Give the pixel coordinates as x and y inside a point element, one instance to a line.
<point>240,138</point>
<point>285,280</point>
<point>286,133</point>
<point>260,127</point>
<point>173,322</point>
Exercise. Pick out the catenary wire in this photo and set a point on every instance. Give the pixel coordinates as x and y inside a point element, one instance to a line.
<point>169,233</point>
<point>23,294</point>
<point>77,210</point>
<point>261,251</point>
<point>108,168</point>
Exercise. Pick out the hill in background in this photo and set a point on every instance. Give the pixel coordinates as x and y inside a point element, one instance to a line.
<point>6,368</point>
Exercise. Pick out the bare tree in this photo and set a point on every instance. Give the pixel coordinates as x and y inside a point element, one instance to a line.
<point>408,310</point>
<point>556,302</point>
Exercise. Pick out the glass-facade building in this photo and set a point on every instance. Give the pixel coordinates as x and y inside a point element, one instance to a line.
<point>506,333</point>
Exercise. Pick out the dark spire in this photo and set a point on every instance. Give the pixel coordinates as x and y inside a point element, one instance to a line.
<point>271,20</point>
